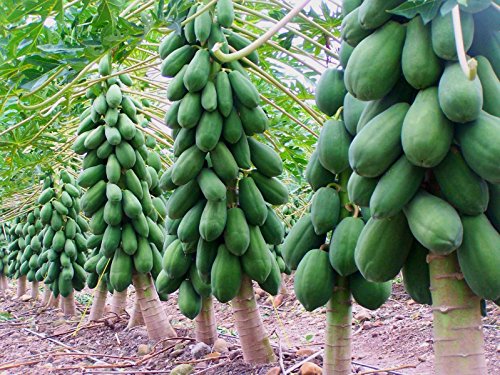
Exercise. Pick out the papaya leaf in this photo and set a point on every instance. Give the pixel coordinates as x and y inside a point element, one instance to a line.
<point>428,9</point>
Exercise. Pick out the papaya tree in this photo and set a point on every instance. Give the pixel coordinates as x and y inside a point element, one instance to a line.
<point>321,245</point>
<point>125,235</point>
<point>223,181</point>
<point>4,254</point>
<point>60,264</point>
<point>423,159</point>
<point>17,244</point>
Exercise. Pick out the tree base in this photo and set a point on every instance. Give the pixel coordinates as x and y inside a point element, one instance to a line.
<point>253,338</point>
<point>205,325</point>
<point>458,335</point>
<point>99,303</point>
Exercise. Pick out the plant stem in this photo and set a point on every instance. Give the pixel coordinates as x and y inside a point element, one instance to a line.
<point>99,303</point>
<point>253,338</point>
<point>337,358</point>
<point>458,336</point>
<point>261,40</point>
<point>155,318</point>
<point>34,290</point>
<point>205,325</point>
<point>21,286</point>
<point>468,67</point>
<point>119,302</point>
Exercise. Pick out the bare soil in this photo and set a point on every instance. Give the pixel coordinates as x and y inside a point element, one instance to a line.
<point>36,340</point>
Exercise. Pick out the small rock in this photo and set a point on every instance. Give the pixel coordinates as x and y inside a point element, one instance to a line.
<point>184,369</point>
<point>421,358</point>
<point>498,348</point>
<point>143,349</point>
<point>274,371</point>
<point>310,368</point>
<point>234,354</point>
<point>304,352</point>
<point>362,315</point>
<point>25,298</point>
<point>260,292</point>
<point>199,350</point>
<point>399,317</point>
<point>179,346</point>
<point>176,353</point>
<point>220,346</point>
<point>278,300</point>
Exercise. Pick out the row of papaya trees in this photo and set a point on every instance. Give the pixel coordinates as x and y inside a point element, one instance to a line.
<point>404,178</point>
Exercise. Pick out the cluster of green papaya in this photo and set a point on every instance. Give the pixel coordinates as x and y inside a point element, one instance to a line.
<point>220,215</point>
<point>425,142</point>
<point>32,245</point>
<point>17,244</point>
<point>4,251</point>
<point>63,238</point>
<point>121,176</point>
<point>321,245</point>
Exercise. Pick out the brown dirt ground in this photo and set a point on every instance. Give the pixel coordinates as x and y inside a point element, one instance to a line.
<point>397,334</point>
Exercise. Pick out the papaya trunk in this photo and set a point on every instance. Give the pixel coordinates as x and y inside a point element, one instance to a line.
<point>457,327</point>
<point>154,316</point>
<point>69,305</point>
<point>136,318</point>
<point>34,290</point>
<point>205,325</point>
<point>338,331</point>
<point>54,301</point>
<point>46,295</point>
<point>21,286</point>
<point>4,284</point>
<point>99,303</point>
<point>119,302</point>
<point>253,338</point>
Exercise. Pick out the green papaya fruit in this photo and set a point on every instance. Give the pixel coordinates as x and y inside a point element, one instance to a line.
<point>273,229</point>
<point>490,85</point>
<point>226,275</point>
<point>252,202</point>
<point>188,166</point>
<point>353,108</point>
<point>370,295</point>
<point>443,36</point>
<point>416,277</point>
<point>256,260</point>
<point>378,145</point>
<point>335,159</point>
<point>460,99</point>
<point>213,220</point>
<point>236,232</point>
<point>375,13</point>
<point>396,188</point>
<point>316,175</point>
<point>360,189</point>
<point>375,67</point>
<point>325,210</point>
<point>343,245</point>
<point>198,71</point>
<point>479,256</point>
<point>300,240</point>
<point>479,142</point>
<point>330,91</point>
<point>182,199</point>
<point>209,130</point>
<point>434,223</point>
<point>493,211</point>
<point>314,280</point>
<point>351,30</point>
<point>421,67</point>
<point>383,247</point>
<point>461,187</point>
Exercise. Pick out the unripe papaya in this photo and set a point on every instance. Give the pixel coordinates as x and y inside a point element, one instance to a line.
<point>236,233</point>
<point>334,158</point>
<point>330,91</point>
<point>256,260</point>
<point>375,67</point>
<point>343,245</point>
<point>198,71</point>
<point>370,295</point>
<point>416,277</point>
<point>434,223</point>
<point>226,275</point>
<point>460,99</point>
<point>314,280</point>
<point>325,210</point>
<point>443,36</point>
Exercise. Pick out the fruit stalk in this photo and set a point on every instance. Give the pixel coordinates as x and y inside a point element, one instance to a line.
<point>253,338</point>
<point>205,325</point>
<point>261,40</point>
<point>338,331</point>
<point>458,337</point>
<point>97,309</point>
<point>21,286</point>
<point>154,316</point>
